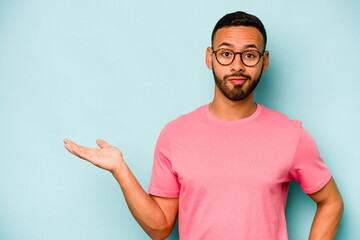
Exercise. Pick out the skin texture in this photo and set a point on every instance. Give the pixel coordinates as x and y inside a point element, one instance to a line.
<point>157,215</point>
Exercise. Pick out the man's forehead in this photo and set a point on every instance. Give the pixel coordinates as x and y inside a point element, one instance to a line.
<point>235,36</point>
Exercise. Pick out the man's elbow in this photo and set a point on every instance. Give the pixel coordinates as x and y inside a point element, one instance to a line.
<point>340,204</point>
<point>335,205</point>
<point>162,234</point>
<point>338,209</point>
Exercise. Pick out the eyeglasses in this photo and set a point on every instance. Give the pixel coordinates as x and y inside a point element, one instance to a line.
<point>249,58</point>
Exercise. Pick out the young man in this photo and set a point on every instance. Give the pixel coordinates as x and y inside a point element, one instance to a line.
<point>225,168</point>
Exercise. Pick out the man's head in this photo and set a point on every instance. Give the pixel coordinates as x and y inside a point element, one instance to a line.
<point>237,56</point>
<point>240,19</point>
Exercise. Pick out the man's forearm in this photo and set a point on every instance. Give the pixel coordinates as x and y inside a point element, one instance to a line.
<point>327,220</point>
<point>145,210</point>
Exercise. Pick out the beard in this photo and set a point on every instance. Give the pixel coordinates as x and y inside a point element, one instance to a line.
<point>239,92</point>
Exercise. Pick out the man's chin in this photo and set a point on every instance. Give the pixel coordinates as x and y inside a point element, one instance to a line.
<point>238,96</point>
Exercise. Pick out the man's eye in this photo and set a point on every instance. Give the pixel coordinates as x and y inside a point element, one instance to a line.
<point>226,54</point>
<point>249,55</point>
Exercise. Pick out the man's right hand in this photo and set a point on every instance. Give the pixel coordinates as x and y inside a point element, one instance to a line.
<point>156,215</point>
<point>107,157</point>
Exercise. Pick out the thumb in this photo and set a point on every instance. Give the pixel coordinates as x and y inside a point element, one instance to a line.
<point>102,144</point>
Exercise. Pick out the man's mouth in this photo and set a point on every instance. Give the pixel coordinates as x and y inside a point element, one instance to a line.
<point>237,80</point>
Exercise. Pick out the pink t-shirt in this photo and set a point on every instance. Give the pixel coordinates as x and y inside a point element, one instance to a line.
<point>232,177</point>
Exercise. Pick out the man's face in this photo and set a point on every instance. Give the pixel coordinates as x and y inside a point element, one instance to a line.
<point>237,81</point>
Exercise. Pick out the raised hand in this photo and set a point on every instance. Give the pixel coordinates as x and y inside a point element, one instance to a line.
<point>107,157</point>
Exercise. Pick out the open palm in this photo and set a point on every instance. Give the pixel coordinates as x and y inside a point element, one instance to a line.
<point>107,157</point>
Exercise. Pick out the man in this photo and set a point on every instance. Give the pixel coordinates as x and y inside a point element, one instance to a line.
<point>225,168</point>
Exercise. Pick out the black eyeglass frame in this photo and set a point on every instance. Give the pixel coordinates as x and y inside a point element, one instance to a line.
<point>240,53</point>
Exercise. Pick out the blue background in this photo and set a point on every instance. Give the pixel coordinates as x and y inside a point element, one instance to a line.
<point>121,70</point>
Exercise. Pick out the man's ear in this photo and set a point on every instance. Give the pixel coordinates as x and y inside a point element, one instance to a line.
<point>209,58</point>
<point>265,61</point>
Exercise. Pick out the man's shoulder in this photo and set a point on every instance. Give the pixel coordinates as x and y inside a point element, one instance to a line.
<point>274,117</point>
<point>187,118</point>
<point>184,124</point>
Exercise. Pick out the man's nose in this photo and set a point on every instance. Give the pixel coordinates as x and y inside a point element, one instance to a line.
<point>237,65</point>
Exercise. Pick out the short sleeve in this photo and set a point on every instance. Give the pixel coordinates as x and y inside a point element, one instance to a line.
<point>308,168</point>
<point>163,182</point>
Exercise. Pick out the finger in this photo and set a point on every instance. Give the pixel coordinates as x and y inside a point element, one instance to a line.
<point>68,147</point>
<point>77,146</point>
<point>71,149</point>
<point>83,152</point>
<point>80,150</point>
<point>75,149</point>
<point>89,154</point>
<point>102,144</point>
<point>73,143</point>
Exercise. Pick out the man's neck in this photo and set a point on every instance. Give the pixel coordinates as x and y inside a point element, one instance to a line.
<point>226,109</point>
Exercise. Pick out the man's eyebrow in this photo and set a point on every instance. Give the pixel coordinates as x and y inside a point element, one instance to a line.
<point>251,46</point>
<point>226,44</point>
<point>232,45</point>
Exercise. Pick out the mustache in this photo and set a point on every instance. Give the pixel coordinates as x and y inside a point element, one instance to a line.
<point>237,74</point>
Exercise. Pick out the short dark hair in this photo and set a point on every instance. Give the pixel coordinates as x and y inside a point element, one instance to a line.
<point>239,18</point>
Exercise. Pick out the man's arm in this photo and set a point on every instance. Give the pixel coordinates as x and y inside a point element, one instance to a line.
<point>155,215</point>
<point>330,208</point>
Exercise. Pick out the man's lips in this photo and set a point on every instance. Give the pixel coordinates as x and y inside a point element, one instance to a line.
<point>237,80</point>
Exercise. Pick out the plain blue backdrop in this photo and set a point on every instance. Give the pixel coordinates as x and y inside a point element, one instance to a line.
<point>121,70</point>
